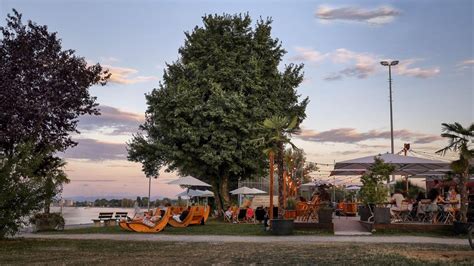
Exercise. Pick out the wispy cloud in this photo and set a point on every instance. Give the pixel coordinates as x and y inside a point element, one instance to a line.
<point>380,15</point>
<point>95,150</point>
<point>123,75</point>
<point>466,64</point>
<point>108,60</point>
<point>308,54</point>
<point>112,121</point>
<point>404,69</point>
<point>362,65</point>
<point>351,135</point>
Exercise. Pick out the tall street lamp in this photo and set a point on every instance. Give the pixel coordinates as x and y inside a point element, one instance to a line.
<point>390,64</point>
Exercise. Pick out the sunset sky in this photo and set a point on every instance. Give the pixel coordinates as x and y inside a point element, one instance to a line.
<point>340,42</point>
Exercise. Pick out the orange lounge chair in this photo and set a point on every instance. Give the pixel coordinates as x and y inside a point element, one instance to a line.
<point>197,215</point>
<point>139,226</point>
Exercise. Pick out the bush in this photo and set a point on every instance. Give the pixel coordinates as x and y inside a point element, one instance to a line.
<point>48,221</point>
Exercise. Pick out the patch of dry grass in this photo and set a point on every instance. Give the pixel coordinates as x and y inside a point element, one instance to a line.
<point>137,253</point>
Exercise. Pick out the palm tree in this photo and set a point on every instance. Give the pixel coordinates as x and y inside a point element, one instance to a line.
<point>280,130</point>
<point>460,140</point>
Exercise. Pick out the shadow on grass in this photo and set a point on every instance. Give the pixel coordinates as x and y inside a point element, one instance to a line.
<point>212,227</point>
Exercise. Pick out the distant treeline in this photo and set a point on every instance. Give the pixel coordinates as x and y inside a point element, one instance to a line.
<point>127,203</point>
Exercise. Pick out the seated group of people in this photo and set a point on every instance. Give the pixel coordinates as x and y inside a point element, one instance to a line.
<point>244,213</point>
<point>433,203</point>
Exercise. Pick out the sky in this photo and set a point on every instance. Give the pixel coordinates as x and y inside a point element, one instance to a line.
<point>340,43</point>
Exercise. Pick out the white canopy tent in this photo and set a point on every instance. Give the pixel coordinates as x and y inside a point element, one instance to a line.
<point>404,165</point>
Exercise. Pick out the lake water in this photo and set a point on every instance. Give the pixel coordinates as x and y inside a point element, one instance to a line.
<point>84,215</point>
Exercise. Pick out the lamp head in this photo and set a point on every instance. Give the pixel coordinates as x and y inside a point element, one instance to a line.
<point>384,63</point>
<point>394,63</point>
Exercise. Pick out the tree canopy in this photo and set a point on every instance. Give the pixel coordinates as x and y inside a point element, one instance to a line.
<point>202,118</point>
<point>43,91</point>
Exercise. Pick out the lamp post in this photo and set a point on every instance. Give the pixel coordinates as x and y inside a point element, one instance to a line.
<point>390,64</point>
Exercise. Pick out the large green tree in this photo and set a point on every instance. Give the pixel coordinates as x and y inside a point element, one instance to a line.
<point>202,118</point>
<point>460,140</point>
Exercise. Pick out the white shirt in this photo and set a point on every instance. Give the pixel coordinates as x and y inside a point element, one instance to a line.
<point>398,198</point>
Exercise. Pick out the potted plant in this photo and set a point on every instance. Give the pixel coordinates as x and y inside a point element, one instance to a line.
<point>374,192</point>
<point>460,140</point>
<point>47,221</point>
<point>290,212</point>
<point>325,213</point>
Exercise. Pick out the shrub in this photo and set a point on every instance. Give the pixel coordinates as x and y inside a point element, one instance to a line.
<point>48,221</point>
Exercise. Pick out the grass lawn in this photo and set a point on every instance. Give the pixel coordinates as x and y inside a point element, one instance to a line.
<point>212,227</point>
<point>24,251</point>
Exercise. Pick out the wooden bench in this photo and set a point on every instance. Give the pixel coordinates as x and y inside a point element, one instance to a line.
<point>104,219</point>
<point>121,215</point>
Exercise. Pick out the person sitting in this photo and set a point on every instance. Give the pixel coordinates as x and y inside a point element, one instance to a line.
<point>180,217</point>
<point>249,215</point>
<point>229,214</point>
<point>454,198</point>
<point>396,199</point>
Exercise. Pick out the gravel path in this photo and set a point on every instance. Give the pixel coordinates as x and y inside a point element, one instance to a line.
<point>256,239</point>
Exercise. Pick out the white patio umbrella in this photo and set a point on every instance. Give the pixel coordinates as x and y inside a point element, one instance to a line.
<point>246,191</point>
<point>353,187</point>
<point>189,181</point>
<point>404,165</point>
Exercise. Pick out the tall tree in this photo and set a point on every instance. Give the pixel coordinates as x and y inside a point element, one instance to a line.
<point>460,140</point>
<point>43,91</point>
<point>202,118</point>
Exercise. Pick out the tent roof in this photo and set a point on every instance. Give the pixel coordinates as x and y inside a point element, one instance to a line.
<point>247,191</point>
<point>196,193</point>
<point>404,165</point>
<point>189,181</point>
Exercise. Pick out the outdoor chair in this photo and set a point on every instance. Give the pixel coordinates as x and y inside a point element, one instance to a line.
<point>122,216</point>
<point>226,217</point>
<point>241,217</point>
<point>259,214</point>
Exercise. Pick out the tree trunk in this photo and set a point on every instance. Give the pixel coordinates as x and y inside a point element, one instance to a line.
<point>280,180</point>
<point>224,190</point>
<point>270,189</point>
<point>217,197</point>
<point>464,196</point>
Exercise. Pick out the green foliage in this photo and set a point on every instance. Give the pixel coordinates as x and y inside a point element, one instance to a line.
<point>413,189</point>
<point>291,203</point>
<point>202,118</point>
<point>48,221</point>
<point>298,168</point>
<point>21,191</point>
<point>373,190</point>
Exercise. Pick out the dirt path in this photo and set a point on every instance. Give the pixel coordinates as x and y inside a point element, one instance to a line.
<point>255,239</point>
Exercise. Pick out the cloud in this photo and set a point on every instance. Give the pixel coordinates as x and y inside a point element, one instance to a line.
<point>95,150</point>
<point>363,65</point>
<point>466,64</point>
<point>122,75</point>
<point>351,135</point>
<point>112,121</point>
<point>308,54</point>
<point>403,68</point>
<point>379,16</point>
<point>359,65</point>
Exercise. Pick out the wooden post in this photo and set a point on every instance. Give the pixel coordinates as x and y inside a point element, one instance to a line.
<point>284,189</point>
<point>270,190</point>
